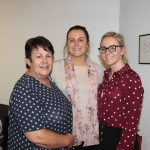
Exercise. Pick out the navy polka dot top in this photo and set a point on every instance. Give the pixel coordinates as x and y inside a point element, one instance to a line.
<point>33,106</point>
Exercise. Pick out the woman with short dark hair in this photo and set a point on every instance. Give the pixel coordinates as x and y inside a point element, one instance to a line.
<point>40,114</point>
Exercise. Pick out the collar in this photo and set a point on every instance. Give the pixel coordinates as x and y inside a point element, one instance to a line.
<point>120,72</point>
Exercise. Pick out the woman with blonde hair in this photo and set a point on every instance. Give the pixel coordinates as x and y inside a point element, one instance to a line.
<point>119,96</point>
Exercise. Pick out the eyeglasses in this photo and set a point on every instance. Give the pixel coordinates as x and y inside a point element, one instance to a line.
<point>111,49</point>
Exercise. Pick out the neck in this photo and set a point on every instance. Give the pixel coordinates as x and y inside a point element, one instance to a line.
<point>41,78</point>
<point>116,68</point>
<point>79,61</point>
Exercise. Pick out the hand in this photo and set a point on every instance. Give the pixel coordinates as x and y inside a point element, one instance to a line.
<point>71,139</point>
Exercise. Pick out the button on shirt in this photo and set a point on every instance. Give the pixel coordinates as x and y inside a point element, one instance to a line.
<point>120,102</point>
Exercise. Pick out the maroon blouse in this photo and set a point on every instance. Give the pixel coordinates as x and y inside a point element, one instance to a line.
<point>120,102</point>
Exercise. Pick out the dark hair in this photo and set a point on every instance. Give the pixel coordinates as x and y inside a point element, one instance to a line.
<point>77,27</point>
<point>34,43</point>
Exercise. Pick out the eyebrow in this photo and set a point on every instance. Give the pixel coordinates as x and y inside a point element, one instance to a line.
<point>108,46</point>
<point>49,52</point>
<point>78,38</point>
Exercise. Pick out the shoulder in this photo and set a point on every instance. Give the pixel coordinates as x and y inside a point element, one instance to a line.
<point>58,65</point>
<point>100,71</point>
<point>58,68</point>
<point>133,75</point>
<point>59,62</point>
<point>130,73</point>
<point>21,87</point>
<point>99,67</point>
<point>26,82</point>
<point>133,81</point>
<point>23,80</point>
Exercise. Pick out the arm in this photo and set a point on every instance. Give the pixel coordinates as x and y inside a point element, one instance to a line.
<point>49,139</point>
<point>31,122</point>
<point>133,97</point>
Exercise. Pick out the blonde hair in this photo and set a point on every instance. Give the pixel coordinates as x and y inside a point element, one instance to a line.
<point>119,37</point>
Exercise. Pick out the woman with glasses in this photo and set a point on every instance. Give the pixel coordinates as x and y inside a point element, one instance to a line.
<point>78,77</point>
<point>119,96</point>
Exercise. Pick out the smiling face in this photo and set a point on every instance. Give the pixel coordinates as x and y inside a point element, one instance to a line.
<point>41,63</point>
<point>77,44</point>
<point>112,59</point>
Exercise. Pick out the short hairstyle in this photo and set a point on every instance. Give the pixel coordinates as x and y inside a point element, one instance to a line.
<point>34,43</point>
<point>119,37</point>
<point>77,27</point>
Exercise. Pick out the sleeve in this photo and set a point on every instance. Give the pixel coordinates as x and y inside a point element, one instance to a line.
<point>133,97</point>
<point>27,109</point>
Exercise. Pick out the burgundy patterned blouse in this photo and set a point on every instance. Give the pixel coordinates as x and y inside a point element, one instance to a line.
<point>120,103</point>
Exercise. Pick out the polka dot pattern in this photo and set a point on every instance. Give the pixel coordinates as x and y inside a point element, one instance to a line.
<point>34,106</point>
<point>120,103</point>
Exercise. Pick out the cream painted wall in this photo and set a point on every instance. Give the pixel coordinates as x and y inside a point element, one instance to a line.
<point>135,21</point>
<point>21,20</point>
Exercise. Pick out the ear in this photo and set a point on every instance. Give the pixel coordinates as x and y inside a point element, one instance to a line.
<point>87,47</point>
<point>28,62</point>
<point>123,50</point>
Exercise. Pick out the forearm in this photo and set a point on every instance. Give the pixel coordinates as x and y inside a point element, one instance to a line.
<point>56,142</point>
<point>48,139</point>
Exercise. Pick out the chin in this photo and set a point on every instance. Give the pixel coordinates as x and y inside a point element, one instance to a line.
<point>45,74</point>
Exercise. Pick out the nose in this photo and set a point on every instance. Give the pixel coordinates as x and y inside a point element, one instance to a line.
<point>44,59</point>
<point>76,43</point>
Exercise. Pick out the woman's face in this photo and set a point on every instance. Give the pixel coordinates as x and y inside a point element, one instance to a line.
<point>112,58</point>
<point>41,63</point>
<point>77,43</point>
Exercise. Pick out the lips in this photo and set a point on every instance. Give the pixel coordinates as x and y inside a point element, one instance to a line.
<point>76,49</point>
<point>45,67</point>
<point>107,58</point>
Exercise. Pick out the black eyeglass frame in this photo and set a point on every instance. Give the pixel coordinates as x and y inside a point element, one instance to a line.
<point>108,48</point>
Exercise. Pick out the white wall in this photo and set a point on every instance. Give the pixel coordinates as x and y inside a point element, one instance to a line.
<point>135,21</point>
<point>21,20</point>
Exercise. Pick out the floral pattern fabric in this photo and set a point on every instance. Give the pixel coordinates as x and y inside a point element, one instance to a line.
<point>85,128</point>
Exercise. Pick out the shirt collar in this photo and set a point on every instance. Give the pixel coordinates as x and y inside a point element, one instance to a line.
<point>119,72</point>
